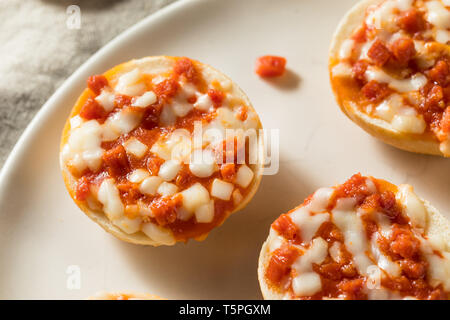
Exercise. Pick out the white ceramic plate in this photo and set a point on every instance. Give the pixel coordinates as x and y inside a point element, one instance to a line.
<point>43,233</point>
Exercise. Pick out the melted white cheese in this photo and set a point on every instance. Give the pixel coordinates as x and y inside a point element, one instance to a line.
<point>384,16</point>
<point>221,189</point>
<point>342,69</point>
<point>244,176</point>
<point>83,149</point>
<point>158,234</point>
<point>135,147</point>
<point>416,82</point>
<point>205,212</point>
<point>355,239</point>
<point>106,99</point>
<point>346,49</point>
<point>203,163</point>
<point>438,15</point>
<point>384,262</point>
<point>307,282</point>
<point>195,196</point>
<point>308,223</point>
<point>145,100</point>
<point>128,85</point>
<point>119,123</point>
<point>409,123</point>
<point>413,207</point>
<point>108,195</point>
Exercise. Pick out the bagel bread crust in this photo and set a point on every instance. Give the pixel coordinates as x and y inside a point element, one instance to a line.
<point>425,143</point>
<point>155,65</point>
<point>436,225</point>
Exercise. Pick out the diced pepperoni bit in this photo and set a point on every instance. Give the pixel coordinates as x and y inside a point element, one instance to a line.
<point>404,244</point>
<point>165,209</point>
<point>129,192</point>
<point>92,110</point>
<point>389,204</point>
<point>153,165</point>
<point>270,66</point>
<point>445,122</point>
<point>116,161</point>
<point>330,270</point>
<point>228,171</point>
<point>122,100</point>
<point>280,264</point>
<point>360,34</point>
<point>287,229</point>
<point>352,289</point>
<point>185,66</point>
<point>369,224</point>
<point>97,83</point>
<point>192,99</point>
<point>412,269</point>
<point>375,91</point>
<point>411,21</point>
<point>401,283</point>
<point>150,118</point>
<point>216,97</point>
<point>330,232</point>
<point>438,294</point>
<point>440,73</point>
<point>379,53</point>
<point>242,113</point>
<point>447,94</point>
<point>355,187</point>
<point>403,50</point>
<point>349,271</point>
<point>166,89</point>
<point>359,70</point>
<point>435,97</point>
<point>371,202</point>
<point>82,189</point>
<point>184,177</point>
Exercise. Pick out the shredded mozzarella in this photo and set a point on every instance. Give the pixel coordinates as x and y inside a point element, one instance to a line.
<point>221,189</point>
<point>416,82</point>
<point>145,100</point>
<point>135,147</point>
<point>346,219</point>
<point>108,195</point>
<point>158,234</point>
<point>138,175</point>
<point>106,99</point>
<point>83,149</point>
<point>438,15</point>
<point>244,176</point>
<point>205,212</point>
<point>195,196</point>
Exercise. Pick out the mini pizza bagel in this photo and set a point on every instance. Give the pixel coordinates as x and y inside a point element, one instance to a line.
<point>103,295</point>
<point>389,67</point>
<point>161,149</point>
<point>363,239</point>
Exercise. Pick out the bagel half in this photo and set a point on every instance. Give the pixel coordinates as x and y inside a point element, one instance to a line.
<point>323,249</point>
<point>424,127</point>
<point>158,101</point>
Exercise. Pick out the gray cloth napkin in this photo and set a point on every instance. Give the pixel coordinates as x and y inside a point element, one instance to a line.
<point>40,47</point>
